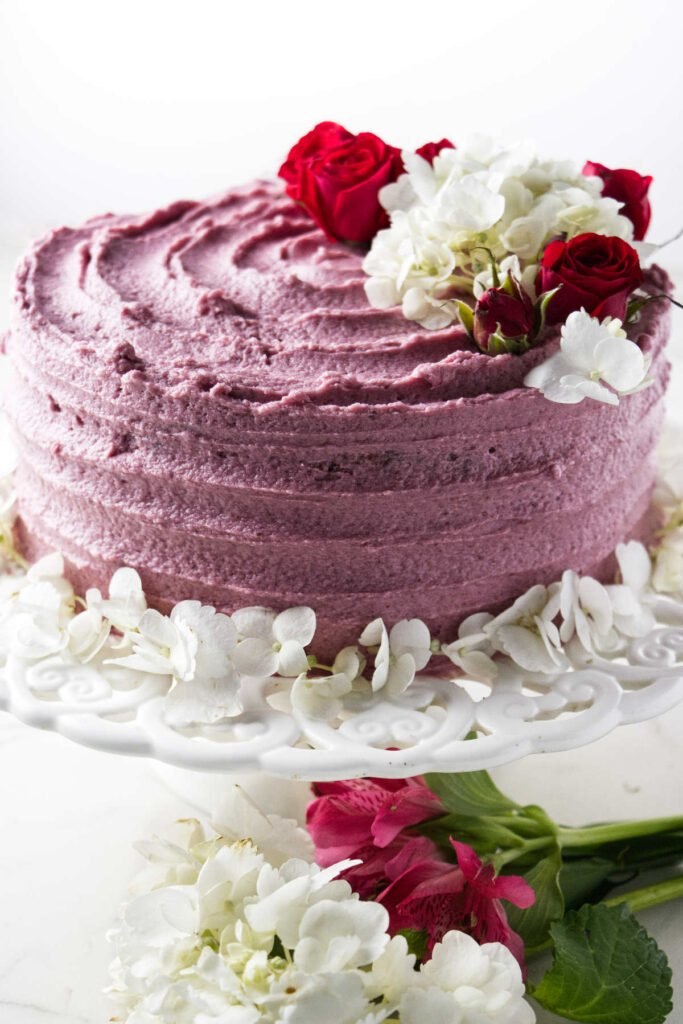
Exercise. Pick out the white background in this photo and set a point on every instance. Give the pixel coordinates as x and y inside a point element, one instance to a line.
<point>123,106</point>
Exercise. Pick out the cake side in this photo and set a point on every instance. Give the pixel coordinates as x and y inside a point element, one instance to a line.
<point>206,396</point>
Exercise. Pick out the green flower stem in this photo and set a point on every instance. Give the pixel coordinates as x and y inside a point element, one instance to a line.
<point>520,851</point>
<point>650,895</point>
<point>597,835</point>
<point>637,899</point>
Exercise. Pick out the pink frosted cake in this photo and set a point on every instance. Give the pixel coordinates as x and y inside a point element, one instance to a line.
<point>207,395</point>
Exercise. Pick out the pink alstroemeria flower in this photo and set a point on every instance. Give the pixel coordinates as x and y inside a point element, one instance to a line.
<point>367,819</point>
<point>440,897</point>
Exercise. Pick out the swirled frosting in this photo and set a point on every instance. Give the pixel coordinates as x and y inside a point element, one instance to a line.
<point>204,394</point>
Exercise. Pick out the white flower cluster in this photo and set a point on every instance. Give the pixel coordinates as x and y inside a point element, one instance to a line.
<point>540,628</point>
<point>208,656</point>
<point>236,930</point>
<point>476,197</point>
<point>591,352</point>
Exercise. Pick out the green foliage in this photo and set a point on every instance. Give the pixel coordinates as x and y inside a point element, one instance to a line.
<point>606,970</point>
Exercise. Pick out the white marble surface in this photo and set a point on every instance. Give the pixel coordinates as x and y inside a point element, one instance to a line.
<point>69,816</point>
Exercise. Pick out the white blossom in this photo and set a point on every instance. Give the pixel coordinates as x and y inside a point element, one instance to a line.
<point>400,653</point>
<point>279,839</point>
<point>271,643</point>
<point>473,651</point>
<point>467,983</point>
<point>633,617</point>
<point>321,696</point>
<point>126,603</point>
<point>590,353</point>
<point>480,195</point>
<point>587,613</point>
<point>36,609</point>
<point>527,633</point>
<point>335,935</point>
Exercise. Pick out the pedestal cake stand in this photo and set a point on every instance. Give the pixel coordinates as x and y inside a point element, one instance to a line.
<point>439,724</point>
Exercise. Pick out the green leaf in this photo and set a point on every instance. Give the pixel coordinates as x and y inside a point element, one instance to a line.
<point>606,970</point>
<point>533,924</point>
<point>470,793</point>
<point>466,317</point>
<point>541,309</point>
<point>580,879</point>
<point>417,941</point>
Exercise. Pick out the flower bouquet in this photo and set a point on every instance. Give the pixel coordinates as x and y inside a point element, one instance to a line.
<point>406,900</point>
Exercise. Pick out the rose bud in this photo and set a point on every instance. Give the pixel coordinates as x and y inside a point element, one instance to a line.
<point>504,319</point>
<point>592,272</point>
<point>432,149</point>
<point>337,177</point>
<point>630,189</point>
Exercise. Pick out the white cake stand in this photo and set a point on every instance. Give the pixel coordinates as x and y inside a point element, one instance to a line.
<point>438,724</point>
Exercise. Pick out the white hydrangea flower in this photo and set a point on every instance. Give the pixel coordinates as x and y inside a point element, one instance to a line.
<point>400,653</point>
<point>320,697</point>
<point>272,644</point>
<point>467,983</point>
<point>334,935</point>
<point>631,599</point>
<point>587,612</point>
<point>332,998</point>
<point>283,895</point>
<point>590,352</point>
<point>194,646</point>
<point>35,609</point>
<point>126,603</point>
<point>393,972</point>
<point>279,839</point>
<point>478,195</point>
<point>527,633</point>
<point>473,651</point>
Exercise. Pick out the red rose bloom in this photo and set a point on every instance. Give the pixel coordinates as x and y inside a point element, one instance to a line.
<point>337,176</point>
<point>498,312</point>
<point>630,189</point>
<point>596,273</point>
<point>432,149</point>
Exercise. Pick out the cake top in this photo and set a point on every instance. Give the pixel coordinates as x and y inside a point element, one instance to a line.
<point>245,293</point>
<point>268,293</point>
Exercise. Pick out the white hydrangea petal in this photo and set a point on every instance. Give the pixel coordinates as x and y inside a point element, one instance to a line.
<point>164,914</point>
<point>255,657</point>
<point>595,600</point>
<point>401,674</point>
<point>382,293</point>
<point>635,564</point>
<point>319,697</point>
<point>372,634</point>
<point>580,335</point>
<point>254,622</point>
<point>124,583</point>
<point>363,924</point>
<point>157,628</point>
<point>296,624</point>
<point>622,363</point>
<point>48,566</point>
<point>292,659</point>
<point>526,648</point>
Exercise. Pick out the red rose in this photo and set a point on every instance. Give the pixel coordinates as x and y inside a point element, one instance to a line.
<point>497,312</point>
<point>595,272</point>
<point>432,149</point>
<point>337,176</point>
<point>630,189</point>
